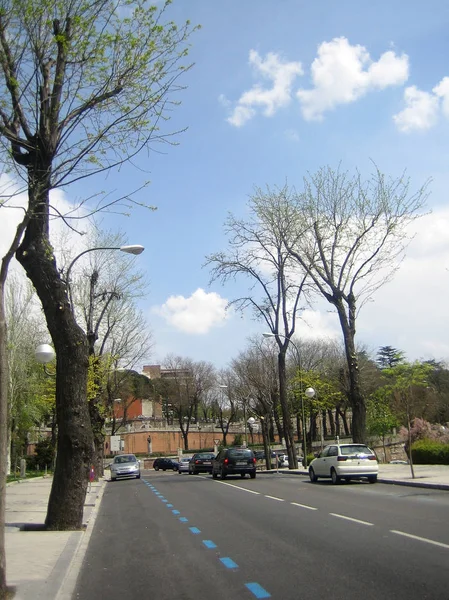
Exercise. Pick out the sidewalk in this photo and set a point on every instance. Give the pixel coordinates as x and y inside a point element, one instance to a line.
<point>44,565</point>
<point>427,476</point>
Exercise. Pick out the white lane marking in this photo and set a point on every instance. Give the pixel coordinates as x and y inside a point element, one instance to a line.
<point>351,519</point>
<point>237,487</point>
<point>420,539</point>
<point>303,506</point>
<point>274,498</point>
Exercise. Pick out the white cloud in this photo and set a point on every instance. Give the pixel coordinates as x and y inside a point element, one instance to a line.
<point>422,109</point>
<point>197,314</point>
<point>442,91</point>
<point>410,312</point>
<point>280,73</point>
<point>343,73</point>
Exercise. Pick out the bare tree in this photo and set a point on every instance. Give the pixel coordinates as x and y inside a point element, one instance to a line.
<point>258,250</point>
<point>257,385</point>
<point>182,387</point>
<point>86,88</point>
<point>356,235</point>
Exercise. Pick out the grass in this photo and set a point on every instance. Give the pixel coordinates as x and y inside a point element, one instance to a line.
<point>29,475</point>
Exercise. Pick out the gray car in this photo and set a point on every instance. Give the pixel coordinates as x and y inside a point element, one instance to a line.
<point>183,464</point>
<point>125,465</point>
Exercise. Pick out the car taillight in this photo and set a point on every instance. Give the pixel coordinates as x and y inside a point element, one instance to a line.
<point>197,462</point>
<point>342,458</point>
<point>226,461</point>
<point>372,457</point>
<point>254,460</point>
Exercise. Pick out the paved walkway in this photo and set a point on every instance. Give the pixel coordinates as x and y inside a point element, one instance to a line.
<point>44,565</point>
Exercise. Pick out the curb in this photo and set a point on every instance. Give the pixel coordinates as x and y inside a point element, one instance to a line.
<point>68,584</point>
<point>418,484</point>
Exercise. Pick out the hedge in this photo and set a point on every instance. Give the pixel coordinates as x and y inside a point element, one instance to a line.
<point>430,452</point>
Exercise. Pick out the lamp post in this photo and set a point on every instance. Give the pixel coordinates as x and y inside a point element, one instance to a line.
<point>310,393</point>
<point>267,335</point>
<point>44,354</point>
<point>133,249</point>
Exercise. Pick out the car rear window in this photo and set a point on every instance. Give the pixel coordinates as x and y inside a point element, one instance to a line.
<point>204,456</point>
<point>360,449</point>
<point>237,453</point>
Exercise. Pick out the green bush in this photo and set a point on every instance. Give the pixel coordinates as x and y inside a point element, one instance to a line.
<point>310,457</point>
<point>430,452</point>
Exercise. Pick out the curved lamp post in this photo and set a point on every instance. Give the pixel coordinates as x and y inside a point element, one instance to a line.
<point>133,249</point>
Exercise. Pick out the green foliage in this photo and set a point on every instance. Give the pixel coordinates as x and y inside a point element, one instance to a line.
<point>406,384</point>
<point>379,417</point>
<point>238,439</point>
<point>430,452</point>
<point>327,393</point>
<point>105,79</point>
<point>44,454</point>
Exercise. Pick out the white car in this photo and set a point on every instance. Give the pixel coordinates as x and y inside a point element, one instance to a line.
<point>345,461</point>
<point>125,465</point>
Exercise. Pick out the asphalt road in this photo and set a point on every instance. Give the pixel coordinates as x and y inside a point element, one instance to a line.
<point>170,537</point>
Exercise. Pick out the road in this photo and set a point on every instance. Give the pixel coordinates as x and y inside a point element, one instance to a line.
<point>170,536</point>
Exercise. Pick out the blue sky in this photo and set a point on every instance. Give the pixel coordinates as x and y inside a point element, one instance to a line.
<point>280,88</point>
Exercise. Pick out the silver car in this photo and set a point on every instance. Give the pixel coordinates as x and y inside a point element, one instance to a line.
<point>125,465</point>
<point>183,464</point>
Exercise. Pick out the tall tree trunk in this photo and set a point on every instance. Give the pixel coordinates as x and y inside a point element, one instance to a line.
<point>74,447</point>
<point>3,437</point>
<point>286,420</point>
<point>356,398</point>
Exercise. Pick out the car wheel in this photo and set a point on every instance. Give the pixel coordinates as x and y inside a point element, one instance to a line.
<point>138,476</point>
<point>175,468</point>
<point>253,475</point>
<point>372,478</point>
<point>242,475</point>
<point>313,477</point>
<point>214,475</point>
<point>156,468</point>
<point>113,478</point>
<point>335,478</point>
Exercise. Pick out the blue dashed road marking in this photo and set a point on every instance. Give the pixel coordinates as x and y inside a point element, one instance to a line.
<point>209,544</point>
<point>257,590</point>
<point>183,519</point>
<point>194,530</point>
<point>169,505</point>
<point>164,500</point>
<point>229,563</point>
<point>176,512</point>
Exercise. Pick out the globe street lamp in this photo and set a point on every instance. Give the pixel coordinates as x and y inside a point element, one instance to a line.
<point>44,354</point>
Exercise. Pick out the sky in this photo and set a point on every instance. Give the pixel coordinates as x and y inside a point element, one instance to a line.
<point>277,90</point>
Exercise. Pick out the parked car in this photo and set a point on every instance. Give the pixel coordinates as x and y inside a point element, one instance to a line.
<point>124,465</point>
<point>201,462</point>
<point>283,460</point>
<point>345,461</point>
<point>165,464</point>
<point>183,464</point>
<point>234,461</point>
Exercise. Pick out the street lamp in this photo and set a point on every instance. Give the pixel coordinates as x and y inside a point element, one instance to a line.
<point>133,249</point>
<point>44,354</point>
<point>267,335</point>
